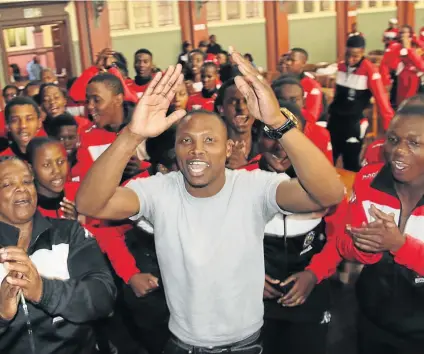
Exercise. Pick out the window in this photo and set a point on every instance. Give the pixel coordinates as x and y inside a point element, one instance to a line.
<point>213,9</point>
<point>19,38</point>
<point>142,11</point>
<point>118,15</point>
<point>292,7</point>
<point>372,3</point>
<point>233,10</point>
<point>253,8</point>
<point>142,16</point>
<point>315,7</point>
<point>325,6</point>
<point>165,13</point>
<point>308,6</point>
<point>230,10</point>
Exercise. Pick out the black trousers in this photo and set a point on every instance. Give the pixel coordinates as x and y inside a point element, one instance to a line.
<point>250,345</point>
<point>346,141</point>
<point>283,337</point>
<point>374,340</point>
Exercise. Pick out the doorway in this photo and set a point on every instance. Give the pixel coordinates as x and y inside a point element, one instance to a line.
<point>28,49</point>
<point>38,31</point>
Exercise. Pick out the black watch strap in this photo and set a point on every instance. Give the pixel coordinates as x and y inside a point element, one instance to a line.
<point>276,134</point>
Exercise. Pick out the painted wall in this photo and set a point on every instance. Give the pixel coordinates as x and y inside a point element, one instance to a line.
<point>317,36</point>
<point>372,25</point>
<point>165,47</point>
<point>249,38</point>
<point>419,19</point>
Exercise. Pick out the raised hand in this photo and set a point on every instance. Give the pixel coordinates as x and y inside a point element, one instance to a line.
<point>69,210</point>
<point>16,259</point>
<point>149,118</point>
<point>238,156</point>
<point>102,58</point>
<point>261,100</point>
<point>9,297</point>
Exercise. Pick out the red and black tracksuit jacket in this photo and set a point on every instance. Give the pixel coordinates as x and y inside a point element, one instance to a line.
<point>390,35</point>
<point>407,65</point>
<point>354,89</point>
<point>138,85</point>
<point>374,153</point>
<point>390,288</point>
<point>202,100</point>
<point>314,250</point>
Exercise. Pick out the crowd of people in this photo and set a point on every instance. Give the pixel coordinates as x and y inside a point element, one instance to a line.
<point>199,210</point>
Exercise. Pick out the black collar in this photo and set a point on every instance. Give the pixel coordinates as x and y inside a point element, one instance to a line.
<point>384,182</point>
<point>141,81</point>
<point>9,234</point>
<point>17,151</point>
<point>208,94</point>
<point>50,203</point>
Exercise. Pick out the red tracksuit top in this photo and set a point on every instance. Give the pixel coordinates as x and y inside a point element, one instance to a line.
<point>320,137</point>
<point>137,89</point>
<point>112,242</point>
<point>196,102</point>
<point>408,66</point>
<point>70,192</point>
<point>313,96</point>
<point>94,141</point>
<point>78,89</point>
<point>390,35</point>
<point>374,153</point>
<point>367,191</point>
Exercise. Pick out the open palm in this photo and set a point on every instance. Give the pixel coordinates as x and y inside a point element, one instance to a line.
<point>149,118</point>
<point>261,101</point>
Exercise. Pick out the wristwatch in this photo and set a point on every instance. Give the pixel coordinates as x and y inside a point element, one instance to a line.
<point>291,122</point>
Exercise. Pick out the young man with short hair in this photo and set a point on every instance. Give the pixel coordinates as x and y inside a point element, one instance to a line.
<point>357,81</point>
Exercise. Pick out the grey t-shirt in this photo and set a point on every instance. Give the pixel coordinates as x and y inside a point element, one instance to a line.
<point>210,252</point>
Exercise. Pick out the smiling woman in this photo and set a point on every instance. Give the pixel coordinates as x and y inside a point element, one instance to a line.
<point>52,273</point>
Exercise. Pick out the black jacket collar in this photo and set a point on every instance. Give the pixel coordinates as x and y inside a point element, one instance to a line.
<point>50,203</point>
<point>17,151</point>
<point>384,182</point>
<point>9,234</point>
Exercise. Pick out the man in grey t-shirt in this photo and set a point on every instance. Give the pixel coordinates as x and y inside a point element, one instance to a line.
<point>209,221</point>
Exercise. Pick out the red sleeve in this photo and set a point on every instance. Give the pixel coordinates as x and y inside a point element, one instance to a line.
<point>78,89</point>
<point>416,59</point>
<point>129,95</point>
<point>325,145</point>
<point>111,241</point>
<point>324,264</point>
<point>355,215</point>
<point>411,255</point>
<point>375,84</point>
<point>385,67</point>
<point>313,102</point>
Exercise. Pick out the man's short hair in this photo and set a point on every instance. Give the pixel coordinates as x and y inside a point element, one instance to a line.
<point>20,101</point>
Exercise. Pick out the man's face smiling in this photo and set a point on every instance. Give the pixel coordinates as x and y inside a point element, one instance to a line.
<point>202,148</point>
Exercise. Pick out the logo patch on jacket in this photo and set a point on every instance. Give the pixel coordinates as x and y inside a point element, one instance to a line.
<point>309,239</point>
<point>88,234</point>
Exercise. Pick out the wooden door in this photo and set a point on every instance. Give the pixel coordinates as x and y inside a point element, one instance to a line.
<point>62,53</point>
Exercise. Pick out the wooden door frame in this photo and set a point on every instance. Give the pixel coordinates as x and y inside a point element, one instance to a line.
<point>29,22</point>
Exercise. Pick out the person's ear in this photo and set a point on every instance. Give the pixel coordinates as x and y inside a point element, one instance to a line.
<point>119,100</point>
